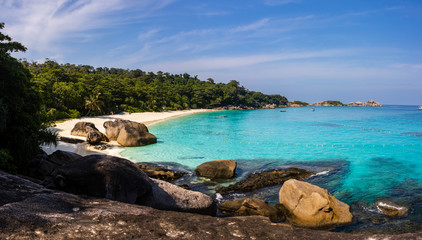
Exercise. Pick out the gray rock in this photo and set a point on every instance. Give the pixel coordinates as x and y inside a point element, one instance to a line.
<point>132,137</point>
<point>218,169</point>
<point>88,130</point>
<point>168,196</point>
<point>103,176</point>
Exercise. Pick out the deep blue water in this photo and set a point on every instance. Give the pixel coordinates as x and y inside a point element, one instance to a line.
<point>370,153</point>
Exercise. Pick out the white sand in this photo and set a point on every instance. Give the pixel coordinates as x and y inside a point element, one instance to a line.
<point>148,118</point>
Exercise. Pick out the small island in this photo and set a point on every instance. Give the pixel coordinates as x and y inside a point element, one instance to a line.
<point>331,103</point>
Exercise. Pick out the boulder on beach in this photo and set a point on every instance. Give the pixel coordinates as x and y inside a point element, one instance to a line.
<point>266,179</point>
<point>112,128</point>
<point>308,205</point>
<point>218,169</point>
<point>103,176</point>
<point>129,133</point>
<point>252,206</point>
<point>392,209</point>
<point>88,130</point>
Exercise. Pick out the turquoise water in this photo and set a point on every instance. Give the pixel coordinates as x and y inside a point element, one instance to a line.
<point>374,152</point>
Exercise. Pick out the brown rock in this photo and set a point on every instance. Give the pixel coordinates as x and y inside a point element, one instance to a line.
<point>132,137</point>
<point>391,209</point>
<point>112,128</point>
<point>311,206</point>
<point>88,130</point>
<point>218,169</point>
<point>161,173</point>
<point>266,179</point>
<point>252,206</point>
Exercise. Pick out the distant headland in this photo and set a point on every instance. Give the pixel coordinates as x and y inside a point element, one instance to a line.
<point>330,103</point>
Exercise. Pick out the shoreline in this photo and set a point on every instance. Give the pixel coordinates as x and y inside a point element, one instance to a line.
<point>148,118</point>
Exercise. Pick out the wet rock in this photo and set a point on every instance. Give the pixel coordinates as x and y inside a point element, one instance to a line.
<point>103,176</point>
<point>161,173</point>
<point>218,169</point>
<point>252,206</point>
<point>391,209</point>
<point>311,206</point>
<point>266,179</point>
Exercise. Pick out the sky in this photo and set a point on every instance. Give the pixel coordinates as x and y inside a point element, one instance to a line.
<point>308,50</point>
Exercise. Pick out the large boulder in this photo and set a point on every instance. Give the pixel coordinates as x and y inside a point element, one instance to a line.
<point>168,196</point>
<point>266,179</point>
<point>88,130</point>
<point>391,209</point>
<point>308,205</point>
<point>42,165</point>
<point>103,176</point>
<point>112,128</point>
<point>218,169</point>
<point>133,137</point>
<point>252,206</point>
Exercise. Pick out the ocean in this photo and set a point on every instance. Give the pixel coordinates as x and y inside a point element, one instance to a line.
<point>361,154</point>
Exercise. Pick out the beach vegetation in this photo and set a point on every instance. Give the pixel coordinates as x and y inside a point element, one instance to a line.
<point>22,119</point>
<point>299,103</point>
<point>69,90</point>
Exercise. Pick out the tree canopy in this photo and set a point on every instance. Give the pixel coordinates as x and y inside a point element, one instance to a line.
<point>21,119</point>
<point>70,91</point>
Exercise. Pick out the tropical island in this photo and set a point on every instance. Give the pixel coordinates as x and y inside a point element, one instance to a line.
<point>66,195</point>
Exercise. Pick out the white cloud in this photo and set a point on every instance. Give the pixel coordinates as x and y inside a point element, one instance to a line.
<point>253,26</point>
<point>42,24</point>
<point>280,2</point>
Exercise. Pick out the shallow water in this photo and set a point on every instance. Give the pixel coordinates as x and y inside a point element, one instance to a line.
<point>370,153</point>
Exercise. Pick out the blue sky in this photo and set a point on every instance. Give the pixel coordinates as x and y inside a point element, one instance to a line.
<point>309,50</point>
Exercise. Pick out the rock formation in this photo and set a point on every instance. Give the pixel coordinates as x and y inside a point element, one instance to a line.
<point>103,176</point>
<point>128,133</point>
<point>161,173</point>
<point>370,103</point>
<point>391,209</point>
<point>88,130</point>
<point>311,206</point>
<point>252,206</point>
<point>218,169</point>
<point>266,179</point>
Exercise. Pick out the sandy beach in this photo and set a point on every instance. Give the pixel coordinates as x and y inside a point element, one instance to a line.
<point>148,118</point>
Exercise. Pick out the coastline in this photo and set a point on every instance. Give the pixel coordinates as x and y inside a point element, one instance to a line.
<point>148,118</point>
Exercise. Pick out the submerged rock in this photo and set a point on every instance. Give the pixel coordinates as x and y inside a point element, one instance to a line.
<point>252,206</point>
<point>266,179</point>
<point>218,169</point>
<point>391,209</point>
<point>161,173</point>
<point>311,206</point>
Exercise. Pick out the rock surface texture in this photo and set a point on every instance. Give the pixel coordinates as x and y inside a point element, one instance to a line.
<point>265,179</point>
<point>391,209</point>
<point>30,211</point>
<point>311,206</point>
<point>128,133</point>
<point>88,130</point>
<point>103,176</point>
<point>161,173</point>
<point>218,169</point>
<point>252,206</point>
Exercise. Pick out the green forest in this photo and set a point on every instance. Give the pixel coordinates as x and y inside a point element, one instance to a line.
<point>33,95</point>
<point>71,91</point>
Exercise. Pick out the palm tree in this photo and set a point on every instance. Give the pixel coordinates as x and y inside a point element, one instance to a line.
<point>93,103</point>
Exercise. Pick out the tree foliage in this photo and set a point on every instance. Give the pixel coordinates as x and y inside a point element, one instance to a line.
<point>69,90</point>
<point>21,121</point>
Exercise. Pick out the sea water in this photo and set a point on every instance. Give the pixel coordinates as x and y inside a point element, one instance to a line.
<point>362,154</point>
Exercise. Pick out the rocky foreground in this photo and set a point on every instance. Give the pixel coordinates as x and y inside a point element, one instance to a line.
<point>31,211</point>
